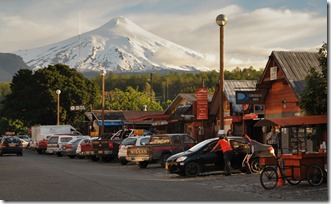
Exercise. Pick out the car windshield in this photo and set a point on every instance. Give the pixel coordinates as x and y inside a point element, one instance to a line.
<point>75,140</point>
<point>12,139</point>
<point>201,145</point>
<point>129,141</point>
<point>144,141</point>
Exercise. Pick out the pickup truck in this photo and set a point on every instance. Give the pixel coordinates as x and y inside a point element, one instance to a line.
<point>159,148</point>
<point>86,149</point>
<point>106,149</point>
<point>42,146</point>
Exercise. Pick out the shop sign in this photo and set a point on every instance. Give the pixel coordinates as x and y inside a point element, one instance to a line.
<point>202,103</point>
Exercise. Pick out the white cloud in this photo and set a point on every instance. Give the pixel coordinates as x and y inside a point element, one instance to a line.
<point>250,36</point>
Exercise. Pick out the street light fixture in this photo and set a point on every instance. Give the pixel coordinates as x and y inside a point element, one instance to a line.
<point>103,74</point>
<point>58,92</point>
<point>221,20</point>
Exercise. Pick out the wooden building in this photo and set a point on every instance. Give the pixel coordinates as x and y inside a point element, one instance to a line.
<point>283,80</point>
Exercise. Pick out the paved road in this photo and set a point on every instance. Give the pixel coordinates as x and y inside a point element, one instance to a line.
<point>35,177</point>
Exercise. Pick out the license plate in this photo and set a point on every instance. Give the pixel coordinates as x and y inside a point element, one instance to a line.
<point>100,152</point>
<point>11,145</point>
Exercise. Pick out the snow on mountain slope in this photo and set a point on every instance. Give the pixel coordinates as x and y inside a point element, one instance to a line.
<point>119,46</point>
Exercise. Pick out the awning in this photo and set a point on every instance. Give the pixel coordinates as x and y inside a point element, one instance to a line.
<point>111,123</point>
<point>293,121</point>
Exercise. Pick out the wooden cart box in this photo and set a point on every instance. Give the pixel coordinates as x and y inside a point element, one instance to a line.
<point>267,161</point>
<point>297,166</point>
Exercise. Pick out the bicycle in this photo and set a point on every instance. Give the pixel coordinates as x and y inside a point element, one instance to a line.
<point>271,174</point>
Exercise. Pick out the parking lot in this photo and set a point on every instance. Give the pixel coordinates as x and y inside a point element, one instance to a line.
<point>51,178</point>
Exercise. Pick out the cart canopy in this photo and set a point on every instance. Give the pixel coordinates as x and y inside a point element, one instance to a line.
<point>293,121</point>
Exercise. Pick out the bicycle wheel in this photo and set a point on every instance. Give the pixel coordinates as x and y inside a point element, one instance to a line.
<point>269,177</point>
<point>315,175</point>
<point>293,182</point>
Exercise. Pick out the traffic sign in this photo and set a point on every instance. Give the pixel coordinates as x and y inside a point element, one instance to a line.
<point>80,107</point>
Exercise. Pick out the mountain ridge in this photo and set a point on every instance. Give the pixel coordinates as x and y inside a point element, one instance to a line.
<point>120,46</point>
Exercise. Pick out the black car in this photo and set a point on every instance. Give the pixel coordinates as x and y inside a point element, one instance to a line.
<point>199,159</point>
<point>11,145</point>
<point>261,150</point>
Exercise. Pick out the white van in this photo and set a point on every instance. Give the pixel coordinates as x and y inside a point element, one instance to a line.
<point>55,142</point>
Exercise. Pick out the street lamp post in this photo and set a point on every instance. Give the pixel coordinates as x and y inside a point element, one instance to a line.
<point>103,74</point>
<point>221,20</point>
<point>58,92</point>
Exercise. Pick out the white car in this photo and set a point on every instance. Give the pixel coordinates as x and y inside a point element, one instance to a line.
<point>24,143</point>
<point>128,142</point>
<point>55,142</point>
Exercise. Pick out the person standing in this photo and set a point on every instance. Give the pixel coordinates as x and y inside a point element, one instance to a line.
<point>272,139</point>
<point>249,153</point>
<point>226,148</point>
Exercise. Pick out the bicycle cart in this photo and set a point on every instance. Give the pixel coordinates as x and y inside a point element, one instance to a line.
<point>293,169</point>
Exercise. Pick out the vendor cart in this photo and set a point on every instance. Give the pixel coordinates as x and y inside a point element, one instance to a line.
<point>293,169</point>
<point>297,160</point>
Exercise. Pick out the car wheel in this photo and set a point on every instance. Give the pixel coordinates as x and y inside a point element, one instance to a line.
<point>39,151</point>
<point>192,169</point>
<point>123,161</point>
<point>71,156</point>
<point>107,159</point>
<point>143,164</point>
<point>59,154</point>
<point>94,158</point>
<point>255,165</point>
<point>164,159</point>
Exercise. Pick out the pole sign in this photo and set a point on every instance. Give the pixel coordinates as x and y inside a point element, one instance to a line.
<point>202,103</point>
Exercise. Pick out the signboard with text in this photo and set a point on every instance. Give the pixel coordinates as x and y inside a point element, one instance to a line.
<point>250,97</point>
<point>80,107</point>
<point>202,103</point>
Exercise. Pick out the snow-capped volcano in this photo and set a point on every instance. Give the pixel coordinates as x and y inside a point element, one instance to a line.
<point>119,45</point>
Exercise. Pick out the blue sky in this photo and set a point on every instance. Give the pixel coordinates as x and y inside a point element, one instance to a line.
<point>254,30</point>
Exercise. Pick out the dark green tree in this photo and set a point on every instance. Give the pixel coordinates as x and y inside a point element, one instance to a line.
<point>313,100</point>
<point>33,99</point>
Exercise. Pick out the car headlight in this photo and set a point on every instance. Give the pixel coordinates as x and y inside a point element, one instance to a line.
<point>180,159</point>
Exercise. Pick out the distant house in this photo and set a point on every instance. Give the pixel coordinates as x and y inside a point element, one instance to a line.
<point>115,120</point>
<point>233,112</point>
<point>182,117</point>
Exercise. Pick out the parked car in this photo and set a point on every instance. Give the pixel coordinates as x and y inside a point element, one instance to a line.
<point>54,144</point>
<point>159,148</point>
<point>25,144</point>
<point>70,148</point>
<point>129,142</point>
<point>25,137</point>
<point>85,149</point>
<point>11,145</point>
<point>260,150</point>
<point>199,158</point>
<point>106,148</point>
